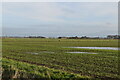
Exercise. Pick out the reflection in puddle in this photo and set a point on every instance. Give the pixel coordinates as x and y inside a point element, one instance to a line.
<point>83,52</point>
<point>107,48</point>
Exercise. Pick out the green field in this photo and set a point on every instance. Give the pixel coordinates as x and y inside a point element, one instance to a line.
<point>51,55</point>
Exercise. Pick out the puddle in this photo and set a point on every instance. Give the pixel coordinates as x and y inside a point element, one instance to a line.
<point>107,48</point>
<point>34,53</point>
<point>83,52</point>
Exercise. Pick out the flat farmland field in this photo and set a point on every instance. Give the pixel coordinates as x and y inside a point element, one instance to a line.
<point>58,59</point>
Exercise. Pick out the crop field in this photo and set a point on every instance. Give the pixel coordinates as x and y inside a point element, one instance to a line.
<point>49,58</point>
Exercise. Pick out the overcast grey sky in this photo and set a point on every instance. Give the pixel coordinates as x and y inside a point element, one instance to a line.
<point>53,19</point>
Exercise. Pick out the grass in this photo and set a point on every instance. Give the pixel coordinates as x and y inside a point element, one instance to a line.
<point>21,70</point>
<point>103,65</point>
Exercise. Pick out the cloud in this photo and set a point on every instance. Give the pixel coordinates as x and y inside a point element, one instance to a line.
<point>58,12</point>
<point>40,11</point>
<point>61,17</point>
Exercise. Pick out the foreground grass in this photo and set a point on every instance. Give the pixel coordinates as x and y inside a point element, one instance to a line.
<point>103,65</point>
<point>20,70</point>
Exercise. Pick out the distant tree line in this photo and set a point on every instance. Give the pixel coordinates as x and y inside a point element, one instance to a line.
<point>75,37</point>
<point>85,37</point>
<point>113,36</point>
<point>35,37</point>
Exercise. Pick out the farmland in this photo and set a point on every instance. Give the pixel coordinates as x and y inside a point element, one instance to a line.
<point>50,56</point>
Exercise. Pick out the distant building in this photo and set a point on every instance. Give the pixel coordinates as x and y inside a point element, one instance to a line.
<point>73,37</point>
<point>62,37</point>
<point>85,37</point>
<point>113,36</point>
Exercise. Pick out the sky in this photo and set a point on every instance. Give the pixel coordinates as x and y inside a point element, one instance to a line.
<point>53,19</point>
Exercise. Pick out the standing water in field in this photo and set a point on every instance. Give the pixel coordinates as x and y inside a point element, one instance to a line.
<point>107,48</point>
<point>82,52</point>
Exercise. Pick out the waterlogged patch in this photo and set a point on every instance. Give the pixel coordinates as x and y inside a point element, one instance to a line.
<point>82,52</point>
<point>107,48</point>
